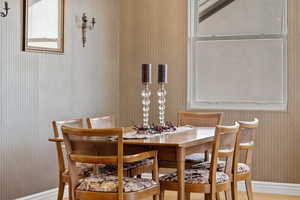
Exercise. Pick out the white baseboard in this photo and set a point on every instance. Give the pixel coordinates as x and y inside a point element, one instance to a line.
<point>273,188</point>
<point>258,186</point>
<point>46,195</point>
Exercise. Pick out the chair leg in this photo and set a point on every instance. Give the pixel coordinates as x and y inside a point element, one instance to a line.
<point>162,195</point>
<point>234,191</point>
<point>187,196</point>
<point>70,192</point>
<point>156,197</point>
<point>218,196</point>
<point>206,155</point>
<point>228,195</point>
<point>249,189</point>
<point>71,197</point>
<point>210,196</point>
<point>61,189</point>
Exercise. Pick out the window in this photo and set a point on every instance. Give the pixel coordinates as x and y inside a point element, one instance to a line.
<point>238,56</point>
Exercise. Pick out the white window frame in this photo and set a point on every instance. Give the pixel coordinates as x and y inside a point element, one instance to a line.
<point>192,103</point>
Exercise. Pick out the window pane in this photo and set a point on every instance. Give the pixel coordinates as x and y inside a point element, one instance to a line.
<point>242,71</point>
<point>245,17</point>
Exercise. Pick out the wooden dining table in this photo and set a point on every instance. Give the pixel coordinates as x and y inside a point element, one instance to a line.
<point>173,148</point>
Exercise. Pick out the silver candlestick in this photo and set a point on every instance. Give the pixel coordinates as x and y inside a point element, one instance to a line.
<point>146,93</point>
<point>161,103</point>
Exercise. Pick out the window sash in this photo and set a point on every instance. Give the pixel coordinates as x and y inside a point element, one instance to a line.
<point>193,103</point>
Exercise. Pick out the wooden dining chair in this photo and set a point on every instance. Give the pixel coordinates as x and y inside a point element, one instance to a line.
<point>207,179</point>
<point>101,122</point>
<point>242,170</point>
<point>63,173</point>
<point>81,148</point>
<point>199,119</point>
<point>130,169</point>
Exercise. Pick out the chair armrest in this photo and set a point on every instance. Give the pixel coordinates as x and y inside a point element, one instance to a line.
<point>55,140</point>
<point>140,156</point>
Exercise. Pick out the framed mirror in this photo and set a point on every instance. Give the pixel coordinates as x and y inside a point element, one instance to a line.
<point>43,29</point>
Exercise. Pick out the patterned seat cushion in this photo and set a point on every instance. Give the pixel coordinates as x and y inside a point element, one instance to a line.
<point>85,169</point>
<point>133,165</point>
<point>111,169</point>
<point>206,166</point>
<point>242,167</point>
<point>195,158</point>
<point>196,176</point>
<point>110,184</point>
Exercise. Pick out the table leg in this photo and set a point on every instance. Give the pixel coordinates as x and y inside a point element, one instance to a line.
<point>180,172</point>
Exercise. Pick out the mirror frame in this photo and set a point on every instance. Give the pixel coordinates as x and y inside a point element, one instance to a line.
<point>28,48</point>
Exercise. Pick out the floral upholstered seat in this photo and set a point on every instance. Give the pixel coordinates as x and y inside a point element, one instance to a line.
<point>195,158</point>
<point>133,165</point>
<point>85,169</point>
<point>242,167</point>
<point>110,184</point>
<point>206,166</point>
<point>196,176</point>
<point>112,169</point>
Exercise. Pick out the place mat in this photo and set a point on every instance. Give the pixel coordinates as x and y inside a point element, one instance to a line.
<point>135,135</point>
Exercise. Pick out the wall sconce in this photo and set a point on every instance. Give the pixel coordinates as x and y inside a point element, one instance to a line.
<point>85,26</point>
<point>6,8</point>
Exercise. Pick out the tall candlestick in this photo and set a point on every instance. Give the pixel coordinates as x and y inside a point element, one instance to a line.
<point>161,103</point>
<point>162,73</point>
<point>146,73</point>
<point>146,93</point>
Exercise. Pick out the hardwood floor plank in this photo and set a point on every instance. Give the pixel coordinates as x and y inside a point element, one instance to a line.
<point>257,196</point>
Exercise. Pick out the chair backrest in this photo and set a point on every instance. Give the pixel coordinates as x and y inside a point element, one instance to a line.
<point>76,140</point>
<point>58,134</point>
<point>76,123</point>
<point>101,122</point>
<point>247,138</point>
<point>209,119</point>
<point>223,149</point>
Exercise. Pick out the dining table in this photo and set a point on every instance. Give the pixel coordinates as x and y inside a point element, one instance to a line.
<point>172,147</point>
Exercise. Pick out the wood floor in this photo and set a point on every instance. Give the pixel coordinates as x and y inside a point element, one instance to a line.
<point>173,196</point>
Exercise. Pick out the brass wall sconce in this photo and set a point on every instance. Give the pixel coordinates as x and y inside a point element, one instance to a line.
<point>6,8</point>
<point>86,24</point>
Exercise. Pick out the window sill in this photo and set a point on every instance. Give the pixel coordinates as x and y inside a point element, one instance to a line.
<point>237,106</point>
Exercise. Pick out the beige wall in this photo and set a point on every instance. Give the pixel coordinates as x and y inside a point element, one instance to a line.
<point>38,88</point>
<point>155,32</point>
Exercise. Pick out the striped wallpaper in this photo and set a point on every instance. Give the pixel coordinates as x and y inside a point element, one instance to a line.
<point>37,88</point>
<point>155,32</point>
